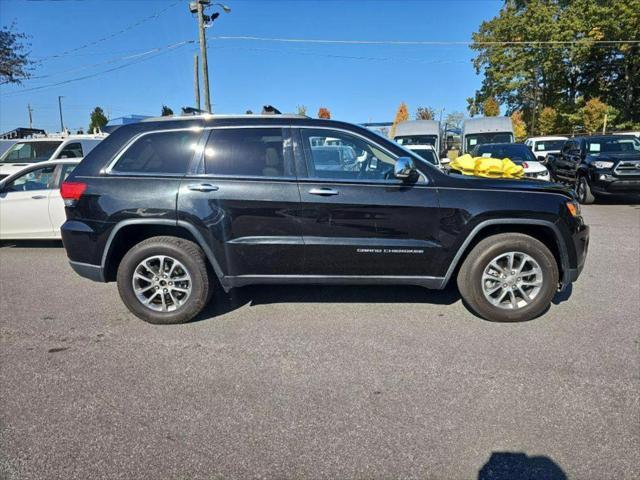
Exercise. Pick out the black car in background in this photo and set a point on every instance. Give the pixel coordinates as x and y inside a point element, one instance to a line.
<point>173,208</point>
<point>598,165</point>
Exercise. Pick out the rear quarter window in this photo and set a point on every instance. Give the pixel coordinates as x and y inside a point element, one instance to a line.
<point>160,152</point>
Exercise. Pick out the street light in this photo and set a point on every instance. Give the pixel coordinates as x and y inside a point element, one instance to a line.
<point>205,21</point>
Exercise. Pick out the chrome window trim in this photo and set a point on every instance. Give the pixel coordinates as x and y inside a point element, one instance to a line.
<point>393,155</point>
<point>108,170</point>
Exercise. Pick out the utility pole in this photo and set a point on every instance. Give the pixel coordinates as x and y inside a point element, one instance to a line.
<point>196,80</point>
<point>30,115</point>
<point>204,21</point>
<point>60,110</point>
<point>203,54</point>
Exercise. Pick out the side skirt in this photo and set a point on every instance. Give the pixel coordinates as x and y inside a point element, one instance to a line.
<point>436,283</point>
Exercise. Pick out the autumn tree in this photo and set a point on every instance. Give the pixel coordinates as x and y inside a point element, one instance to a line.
<point>547,121</point>
<point>324,113</point>
<point>166,111</point>
<point>531,76</point>
<point>98,120</point>
<point>593,114</point>
<point>14,58</point>
<point>519,127</point>
<point>402,115</point>
<point>425,113</point>
<point>490,107</point>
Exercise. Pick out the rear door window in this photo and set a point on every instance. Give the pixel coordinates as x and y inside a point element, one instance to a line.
<point>248,152</point>
<point>71,150</point>
<point>159,153</point>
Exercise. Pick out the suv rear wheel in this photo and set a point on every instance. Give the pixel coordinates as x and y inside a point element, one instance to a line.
<point>509,278</point>
<point>164,280</point>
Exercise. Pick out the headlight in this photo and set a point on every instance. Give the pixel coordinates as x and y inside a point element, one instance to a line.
<point>602,164</point>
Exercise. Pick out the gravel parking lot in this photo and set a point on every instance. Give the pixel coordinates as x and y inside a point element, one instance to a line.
<point>317,382</point>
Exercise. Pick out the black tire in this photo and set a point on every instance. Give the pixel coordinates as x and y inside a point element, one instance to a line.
<point>470,281</point>
<point>194,262</point>
<point>583,190</point>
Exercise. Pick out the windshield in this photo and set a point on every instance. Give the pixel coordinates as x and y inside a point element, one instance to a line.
<point>29,152</point>
<point>619,144</point>
<point>546,145</point>
<point>417,140</point>
<point>474,139</point>
<point>428,155</point>
<point>516,152</point>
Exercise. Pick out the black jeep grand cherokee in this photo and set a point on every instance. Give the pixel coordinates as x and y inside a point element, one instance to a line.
<point>167,207</point>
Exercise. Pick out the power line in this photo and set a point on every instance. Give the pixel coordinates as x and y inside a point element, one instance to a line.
<point>107,62</point>
<point>431,42</point>
<point>110,36</point>
<point>171,47</point>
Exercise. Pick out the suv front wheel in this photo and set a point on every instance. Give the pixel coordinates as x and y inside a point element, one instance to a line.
<point>164,280</point>
<point>509,278</point>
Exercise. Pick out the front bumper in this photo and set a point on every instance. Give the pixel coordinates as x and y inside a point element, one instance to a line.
<point>605,183</point>
<point>581,245</point>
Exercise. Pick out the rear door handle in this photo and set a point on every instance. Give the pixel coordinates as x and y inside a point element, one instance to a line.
<point>203,187</point>
<point>323,191</point>
<point>39,197</point>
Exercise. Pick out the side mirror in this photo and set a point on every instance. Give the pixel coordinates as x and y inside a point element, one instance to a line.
<point>403,168</point>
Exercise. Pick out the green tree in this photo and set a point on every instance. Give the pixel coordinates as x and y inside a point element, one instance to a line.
<point>98,120</point>
<point>402,115</point>
<point>166,111</point>
<point>547,121</point>
<point>301,110</point>
<point>472,106</point>
<point>425,113</point>
<point>490,107</point>
<point>524,76</point>
<point>324,113</point>
<point>519,127</point>
<point>14,58</point>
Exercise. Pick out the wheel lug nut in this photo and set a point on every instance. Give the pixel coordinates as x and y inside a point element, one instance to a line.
<point>513,272</point>
<point>504,285</point>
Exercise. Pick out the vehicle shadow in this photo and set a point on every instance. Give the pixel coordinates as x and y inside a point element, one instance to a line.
<point>222,303</point>
<point>31,244</point>
<point>519,466</point>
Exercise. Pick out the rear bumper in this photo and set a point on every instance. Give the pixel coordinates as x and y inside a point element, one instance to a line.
<point>86,270</point>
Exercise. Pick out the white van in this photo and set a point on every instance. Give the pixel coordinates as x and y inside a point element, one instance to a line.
<point>477,131</point>
<point>418,132</point>
<point>42,148</point>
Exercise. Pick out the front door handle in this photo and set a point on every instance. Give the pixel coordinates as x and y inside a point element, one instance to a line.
<point>39,197</point>
<point>203,187</point>
<point>323,191</point>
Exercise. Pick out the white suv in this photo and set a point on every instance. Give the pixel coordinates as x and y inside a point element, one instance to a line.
<point>40,149</point>
<point>543,146</point>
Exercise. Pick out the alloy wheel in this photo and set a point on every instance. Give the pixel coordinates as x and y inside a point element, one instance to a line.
<point>161,283</point>
<point>512,280</point>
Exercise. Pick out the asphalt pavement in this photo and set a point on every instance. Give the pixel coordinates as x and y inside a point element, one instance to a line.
<point>322,382</point>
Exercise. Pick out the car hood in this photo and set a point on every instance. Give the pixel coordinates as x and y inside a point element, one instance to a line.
<point>617,156</point>
<point>523,184</point>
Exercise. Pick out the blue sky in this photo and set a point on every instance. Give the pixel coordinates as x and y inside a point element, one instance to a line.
<point>357,83</point>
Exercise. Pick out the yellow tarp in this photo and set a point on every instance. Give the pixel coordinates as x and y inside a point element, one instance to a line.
<point>487,167</point>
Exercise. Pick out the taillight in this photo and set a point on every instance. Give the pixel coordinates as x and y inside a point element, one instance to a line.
<point>71,192</point>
